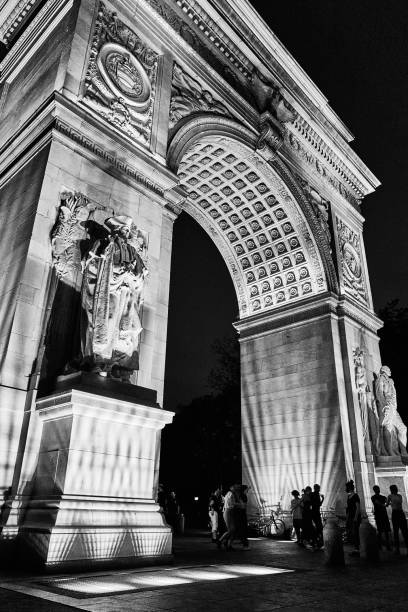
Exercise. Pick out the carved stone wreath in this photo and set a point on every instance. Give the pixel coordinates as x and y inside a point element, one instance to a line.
<point>121,77</point>
<point>351,261</point>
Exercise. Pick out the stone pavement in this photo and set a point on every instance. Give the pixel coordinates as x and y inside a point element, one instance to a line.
<point>203,578</point>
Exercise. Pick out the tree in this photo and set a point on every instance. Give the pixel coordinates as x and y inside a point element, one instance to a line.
<point>393,346</point>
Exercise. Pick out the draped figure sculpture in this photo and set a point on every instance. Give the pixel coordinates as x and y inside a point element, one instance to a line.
<point>368,408</point>
<point>111,296</point>
<point>393,431</point>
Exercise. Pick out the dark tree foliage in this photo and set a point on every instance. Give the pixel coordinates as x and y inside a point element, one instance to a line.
<point>393,346</point>
<point>201,450</point>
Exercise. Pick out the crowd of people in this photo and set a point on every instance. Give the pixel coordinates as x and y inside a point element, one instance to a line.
<point>228,516</point>
<point>307,520</point>
<point>170,507</point>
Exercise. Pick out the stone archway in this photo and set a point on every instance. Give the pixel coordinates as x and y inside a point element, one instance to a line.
<point>280,262</point>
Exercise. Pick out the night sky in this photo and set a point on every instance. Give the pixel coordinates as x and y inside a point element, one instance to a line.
<point>356,52</point>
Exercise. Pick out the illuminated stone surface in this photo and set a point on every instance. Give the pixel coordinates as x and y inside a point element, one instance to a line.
<point>145,112</point>
<point>92,498</point>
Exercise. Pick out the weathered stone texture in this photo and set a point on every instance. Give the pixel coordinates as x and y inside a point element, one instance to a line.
<point>291,431</point>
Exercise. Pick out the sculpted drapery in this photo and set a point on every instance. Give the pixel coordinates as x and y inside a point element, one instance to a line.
<point>113,279</point>
<point>393,430</point>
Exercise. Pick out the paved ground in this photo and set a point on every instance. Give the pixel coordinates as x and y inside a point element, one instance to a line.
<point>205,579</point>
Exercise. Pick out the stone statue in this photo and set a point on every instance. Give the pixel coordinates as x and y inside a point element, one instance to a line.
<point>393,431</point>
<point>368,408</point>
<point>361,386</point>
<point>112,285</point>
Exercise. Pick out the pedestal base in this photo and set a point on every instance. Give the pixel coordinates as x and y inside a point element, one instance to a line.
<point>392,470</point>
<point>92,502</point>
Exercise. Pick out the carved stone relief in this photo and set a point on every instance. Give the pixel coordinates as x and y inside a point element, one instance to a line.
<point>393,436</point>
<point>351,261</point>
<point>368,408</point>
<point>321,207</point>
<point>121,77</point>
<point>258,221</point>
<point>101,258</point>
<point>188,96</point>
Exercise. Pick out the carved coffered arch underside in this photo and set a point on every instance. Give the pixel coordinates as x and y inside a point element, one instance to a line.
<point>255,213</point>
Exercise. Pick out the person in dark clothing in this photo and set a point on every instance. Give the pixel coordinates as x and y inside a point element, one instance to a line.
<point>307,520</point>
<point>353,516</point>
<point>381,517</point>
<point>397,517</point>
<point>5,508</point>
<point>241,516</point>
<point>161,498</point>
<point>297,514</point>
<point>215,506</point>
<point>317,499</point>
<point>172,511</point>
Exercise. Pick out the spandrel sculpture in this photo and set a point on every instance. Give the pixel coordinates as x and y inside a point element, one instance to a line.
<point>393,431</point>
<point>112,287</point>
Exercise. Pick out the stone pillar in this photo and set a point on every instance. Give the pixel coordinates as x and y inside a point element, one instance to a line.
<point>92,500</point>
<point>300,424</point>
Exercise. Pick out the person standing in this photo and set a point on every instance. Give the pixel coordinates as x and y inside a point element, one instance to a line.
<point>296,509</point>
<point>397,517</point>
<point>215,513</point>
<point>381,517</point>
<point>307,522</point>
<point>241,515</point>
<point>230,504</point>
<point>172,511</point>
<point>317,499</point>
<point>353,516</point>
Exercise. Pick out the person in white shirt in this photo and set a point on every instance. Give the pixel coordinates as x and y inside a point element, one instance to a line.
<point>297,514</point>
<point>231,501</point>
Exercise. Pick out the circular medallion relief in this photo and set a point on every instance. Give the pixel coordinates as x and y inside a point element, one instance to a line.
<point>352,260</point>
<point>124,75</point>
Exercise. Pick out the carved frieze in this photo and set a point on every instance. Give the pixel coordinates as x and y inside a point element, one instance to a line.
<point>319,168</point>
<point>351,261</point>
<point>121,77</point>
<point>188,96</point>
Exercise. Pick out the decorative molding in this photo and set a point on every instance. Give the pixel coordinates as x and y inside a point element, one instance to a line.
<point>14,19</point>
<point>236,74</point>
<point>351,261</point>
<point>207,38</point>
<point>318,168</point>
<point>307,132</point>
<point>321,207</point>
<point>33,36</point>
<point>271,137</point>
<point>121,77</point>
<point>188,96</point>
<point>120,165</point>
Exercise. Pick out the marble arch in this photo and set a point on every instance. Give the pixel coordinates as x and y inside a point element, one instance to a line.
<point>117,100</point>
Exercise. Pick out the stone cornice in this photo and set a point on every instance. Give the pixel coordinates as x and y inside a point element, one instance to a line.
<point>223,31</point>
<point>12,14</point>
<point>33,36</point>
<point>59,117</point>
<point>313,308</point>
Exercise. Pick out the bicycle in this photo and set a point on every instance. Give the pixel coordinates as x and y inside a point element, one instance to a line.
<point>267,523</point>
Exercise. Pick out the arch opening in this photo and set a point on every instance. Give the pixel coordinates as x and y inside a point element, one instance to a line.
<point>255,221</point>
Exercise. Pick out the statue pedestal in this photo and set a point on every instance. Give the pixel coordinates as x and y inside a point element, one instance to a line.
<point>392,470</point>
<point>92,501</point>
